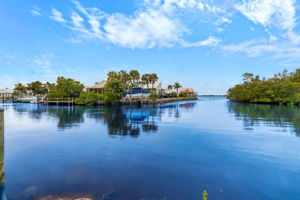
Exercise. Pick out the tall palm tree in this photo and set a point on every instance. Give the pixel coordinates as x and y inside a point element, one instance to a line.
<point>153,79</point>
<point>146,80</point>
<point>170,87</point>
<point>177,86</point>
<point>134,78</point>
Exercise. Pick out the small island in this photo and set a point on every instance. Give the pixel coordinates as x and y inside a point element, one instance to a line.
<point>283,88</point>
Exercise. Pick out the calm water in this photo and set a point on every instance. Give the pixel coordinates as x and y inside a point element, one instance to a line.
<point>171,151</point>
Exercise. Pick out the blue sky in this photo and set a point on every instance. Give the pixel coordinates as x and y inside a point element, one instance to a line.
<point>204,44</point>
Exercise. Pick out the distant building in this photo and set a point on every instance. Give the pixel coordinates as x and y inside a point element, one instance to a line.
<point>137,93</point>
<point>98,87</point>
<point>188,91</point>
<point>6,93</point>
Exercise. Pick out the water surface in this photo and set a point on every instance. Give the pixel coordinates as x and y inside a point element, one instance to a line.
<point>170,151</point>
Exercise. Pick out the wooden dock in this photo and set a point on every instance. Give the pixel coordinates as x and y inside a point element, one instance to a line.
<point>57,101</point>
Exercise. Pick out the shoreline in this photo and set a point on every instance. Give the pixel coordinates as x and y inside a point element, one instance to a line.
<point>122,102</point>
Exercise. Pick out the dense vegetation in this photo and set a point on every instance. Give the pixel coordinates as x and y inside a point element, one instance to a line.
<point>117,84</point>
<point>283,88</point>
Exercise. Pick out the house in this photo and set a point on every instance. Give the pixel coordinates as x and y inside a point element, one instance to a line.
<point>188,91</point>
<point>25,98</point>
<point>98,87</point>
<point>137,93</point>
<point>156,87</point>
<point>6,93</point>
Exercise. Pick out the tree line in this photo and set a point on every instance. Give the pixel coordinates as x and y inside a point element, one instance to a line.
<point>118,82</point>
<point>282,88</point>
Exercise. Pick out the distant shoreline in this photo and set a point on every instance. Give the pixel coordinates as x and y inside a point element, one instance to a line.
<point>212,95</point>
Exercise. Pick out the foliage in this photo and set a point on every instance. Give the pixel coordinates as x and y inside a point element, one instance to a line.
<point>114,89</point>
<point>153,79</point>
<point>183,95</point>
<point>66,87</point>
<point>88,98</point>
<point>283,88</point>
<point>146,79</point>
<point>176,86</point>
<point>123,81</point>
<point>170,87</point>
<point>37,87</point>
<point>20,89</point>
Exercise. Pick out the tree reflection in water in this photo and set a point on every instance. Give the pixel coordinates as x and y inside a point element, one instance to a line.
<point>126,121</point>
<point>120,120</point>
<point>274,115</point>
<point>2,173</point>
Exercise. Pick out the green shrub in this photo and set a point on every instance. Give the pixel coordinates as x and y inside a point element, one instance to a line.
<point>88,98</point>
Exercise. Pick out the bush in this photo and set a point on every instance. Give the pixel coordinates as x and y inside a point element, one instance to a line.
<point>183,95</point>
<point>88,98</point>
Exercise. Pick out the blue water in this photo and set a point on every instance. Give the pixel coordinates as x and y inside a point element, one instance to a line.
<point>170,151</point>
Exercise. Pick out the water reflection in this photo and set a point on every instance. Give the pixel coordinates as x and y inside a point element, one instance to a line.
<point>127,121</point>
<point>272,115</point>
<point>2,186</point>
<point>120,120</point>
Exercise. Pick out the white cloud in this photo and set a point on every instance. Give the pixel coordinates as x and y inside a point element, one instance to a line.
<point>210,41</point>
<point>36,11</point>
<point>144,30</point>
<point>223,20</point>
<point>265,12</point>
<point>155,24</point>
<point>57,16</point>
<point>275,13</point>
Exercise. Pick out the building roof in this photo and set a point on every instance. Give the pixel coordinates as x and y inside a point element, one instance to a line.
<point>6,91</point>
<point>98,85</point>
<point>187,91</point>
<point>137,91</point>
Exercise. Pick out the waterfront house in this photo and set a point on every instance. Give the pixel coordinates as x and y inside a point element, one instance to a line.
<point>188,91</point>
<point>98,87</point>
<point>137,93</point>
<point>6,93</point>
<point>26,97</point>
<point>156,87</point>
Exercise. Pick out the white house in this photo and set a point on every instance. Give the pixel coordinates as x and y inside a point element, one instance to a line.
<point>6,93</point>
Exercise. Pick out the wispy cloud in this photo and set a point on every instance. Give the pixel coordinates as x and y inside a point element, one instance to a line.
<point>36,11</point>
<point>42,64</point>
<point>7,58</point>
<point>211,41</point>
<point>155,24</point>
<point>57,16</point>
<point>159,23</point>
<point>261,47</point>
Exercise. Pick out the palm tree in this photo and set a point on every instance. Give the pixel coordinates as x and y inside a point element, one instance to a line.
<point>134,77</point>
<point>170,87</point>
<point>153,79</point>
<point>20,89</point>
<point>146,80</point>
<point>112,75</point>
<point>177,86</point>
